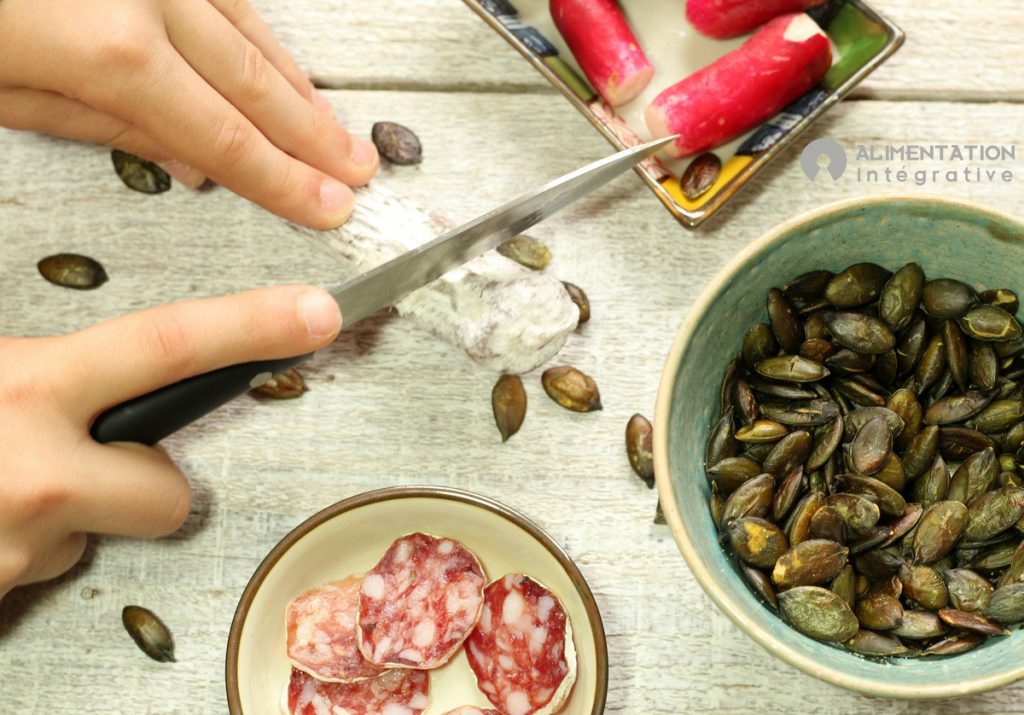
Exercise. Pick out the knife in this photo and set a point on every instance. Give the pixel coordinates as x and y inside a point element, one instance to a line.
<point>151,417</point>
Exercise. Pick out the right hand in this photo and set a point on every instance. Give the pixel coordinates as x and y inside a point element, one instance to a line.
<point>200,86</point>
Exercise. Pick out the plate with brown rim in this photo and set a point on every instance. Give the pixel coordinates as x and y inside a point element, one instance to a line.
<point>350,536</point>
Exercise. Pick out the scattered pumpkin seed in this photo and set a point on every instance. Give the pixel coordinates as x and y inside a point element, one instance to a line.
<point>508,402</point>
<point>139,174</point>
<point>700,175</point>
<point>70,270</point>
<point>571,388</point>
<point>527,251</point>
<point>149,633</point>
<point>639,447</point>
<point>286,385</point>
<point>396,144</point>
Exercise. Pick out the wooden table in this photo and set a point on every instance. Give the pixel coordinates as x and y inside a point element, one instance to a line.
<point>390,405</point>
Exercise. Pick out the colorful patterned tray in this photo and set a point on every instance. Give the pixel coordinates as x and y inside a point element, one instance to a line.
<point>862,40</point>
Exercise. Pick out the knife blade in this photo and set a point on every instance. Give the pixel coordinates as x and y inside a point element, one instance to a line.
<point>151,417</point>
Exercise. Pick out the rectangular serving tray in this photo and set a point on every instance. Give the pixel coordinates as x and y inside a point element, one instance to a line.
<point>862,40</point>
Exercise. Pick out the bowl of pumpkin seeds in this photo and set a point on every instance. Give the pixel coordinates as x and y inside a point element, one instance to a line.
<point>839,445</point>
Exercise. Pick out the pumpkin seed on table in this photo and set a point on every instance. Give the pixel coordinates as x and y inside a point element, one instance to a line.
<point>286,385</point>
<point>139,174</point>
<point>577,296</point>
<point>571,388</point>
<point>396,143</point>
<point>508,402</point>
<point>890,438</point>
<point>71,270</point>
<point>700,175</point>
<point>149,633</point>
<point>527,251</point>
<point>639,447</point>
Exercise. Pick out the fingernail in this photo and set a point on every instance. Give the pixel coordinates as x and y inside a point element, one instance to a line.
<point>336,199</point>
<point>183,173</point>
<point>320,313</point>
<point>363,151</point>
<point>322,103</point>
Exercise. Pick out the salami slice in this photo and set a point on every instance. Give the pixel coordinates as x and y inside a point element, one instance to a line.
<point>419,603</point>
<point>396,692</point>
<point>471,710</point>
<point>321,632</point>
<point>522,650</point>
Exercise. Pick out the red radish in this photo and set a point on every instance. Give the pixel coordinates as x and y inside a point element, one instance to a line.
<point>604,46</point>
<point>728,18</point>
<point>738,91</point>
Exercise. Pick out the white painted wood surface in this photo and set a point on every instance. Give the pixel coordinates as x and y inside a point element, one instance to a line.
<point>390,405</point>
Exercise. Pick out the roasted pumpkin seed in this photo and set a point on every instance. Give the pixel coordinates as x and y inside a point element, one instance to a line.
<point>527,251</point>
<point>70,270</point>
<point>286,385</point>
<point>149,633</point>
<point>139,174</point>
<point>577,296</point>
<point>639,445</point>
<point>987,322</point>
<point>818,613</point>
<point>571,389</point>
<point>396,143</point>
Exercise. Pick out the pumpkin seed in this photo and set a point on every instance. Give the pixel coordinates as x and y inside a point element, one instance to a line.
<point>933,486</point>
<point>955,645</point>
<point>879,612</point>
<point>982,365</point>
<point>919,624</point>
<point>875,644</point>
<point>809,563</point>
<point>828,439</point>
<point>957,408</point>
<point>862,415</point>
<point>871,447</point>
<point>761,584</point>
<point>956,353</point>
<point>947,298</point>
<point>857,512</point>
<point>730,473</point>
<point>286,385</point>
<point>139,174</point>
<point>396,143</point>
<point>827,524</point>
<point>577,296</point>
<point>798,526</point>
<point>1006,604</point>
<point>932,364</point>
<point>722,443</point>
<point>71,270</point>
<point>901,296</point>
<point>987,322</point>
<point>974,477</point>
<point>844,584</point>
<point>762,432</point>
<point>889,501</point>
<point>808,286</point>
<point>994,512</point>
<point>149,633</point>
<point>1001,298</point>
<point>911,346</point>
<point>784,321</point>
<point>639,443</point>
<point>967,621</point>
<point>818,613</point>
<point>968,590</point>
<point>700,175</point>
<point>792,368</point>
<point>998,416</point>
<point>791,488</point>
<point>526,251</point>
<point>571,389</point>
<point>926,586</point>
<point>860,332</point>
<point>752,498</point>
<point>802,414</point>
<point>938,531</point>
<point>857,285</point>
<point>757,542</point>
<point>788,452</point>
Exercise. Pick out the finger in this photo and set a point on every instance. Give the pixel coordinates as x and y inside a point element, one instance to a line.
<point>53,113</point>
<point>239,71</point>
<point>57,560</point>
<point>130,490</point>
<point>113,361</point>
<point>240,14</point>
<point>224,144</point>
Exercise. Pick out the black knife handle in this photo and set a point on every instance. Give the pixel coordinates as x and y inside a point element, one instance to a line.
<point>151,417</point>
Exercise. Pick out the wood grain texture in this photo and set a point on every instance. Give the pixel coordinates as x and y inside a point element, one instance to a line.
<point>391,405</point>
<point>954,50</point>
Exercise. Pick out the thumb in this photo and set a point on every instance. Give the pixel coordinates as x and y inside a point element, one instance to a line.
<point>125,357</point>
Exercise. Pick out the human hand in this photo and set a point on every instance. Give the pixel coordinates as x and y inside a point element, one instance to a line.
<point>200,86</point>
<point>57,483</point>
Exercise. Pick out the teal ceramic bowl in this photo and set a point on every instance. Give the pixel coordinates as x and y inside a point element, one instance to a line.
<point>983,247</point>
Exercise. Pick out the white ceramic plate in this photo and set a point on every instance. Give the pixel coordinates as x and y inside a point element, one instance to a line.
<point>350,537</point>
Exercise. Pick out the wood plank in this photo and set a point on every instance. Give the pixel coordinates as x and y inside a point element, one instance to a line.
<point>390,405</point>
<point>954,51</point>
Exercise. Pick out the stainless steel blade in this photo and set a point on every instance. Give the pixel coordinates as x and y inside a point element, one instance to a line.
<point>390,282</point>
